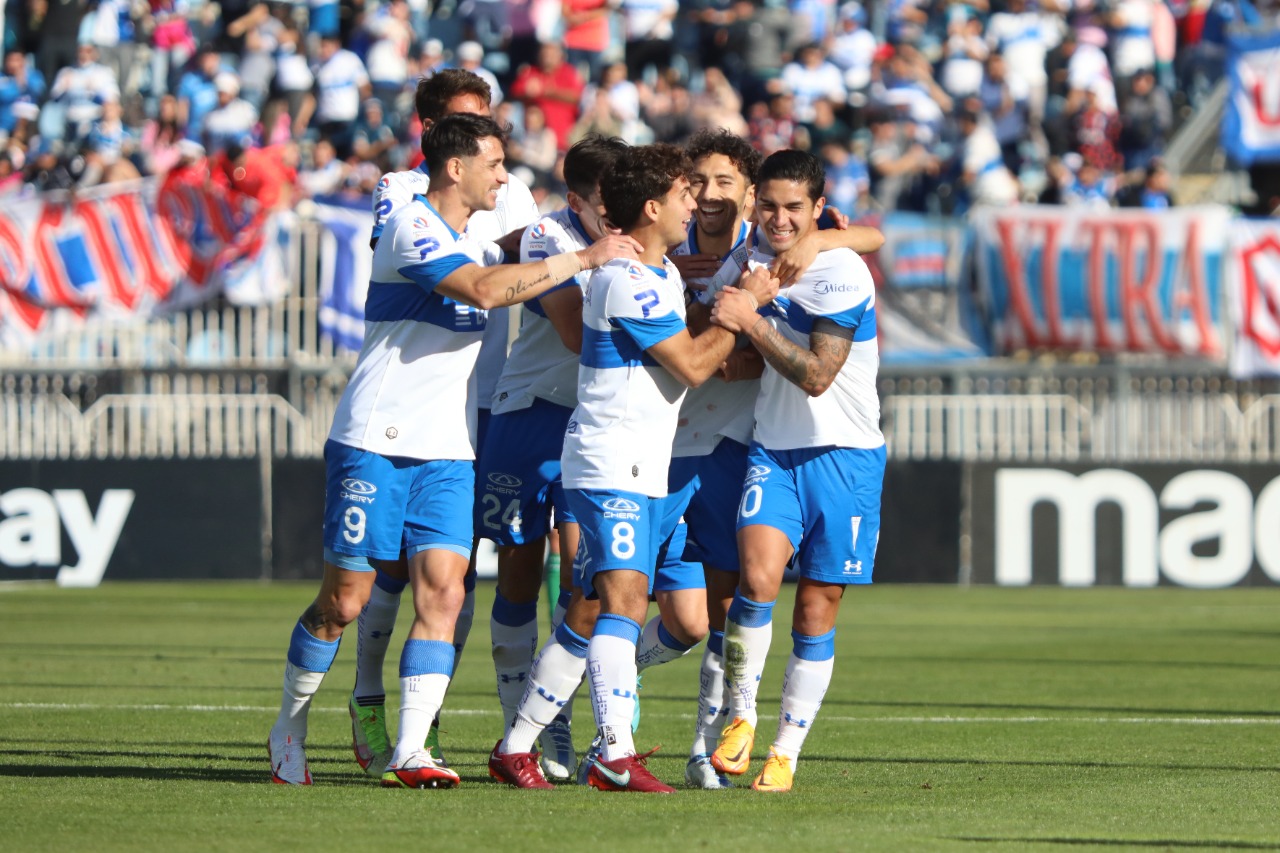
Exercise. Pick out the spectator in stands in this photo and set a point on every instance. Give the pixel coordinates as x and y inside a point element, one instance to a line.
<point>261,33</point>
<point>826,126</point>
<point>1087,186</point>
<point>432,58</point>
<point>754,48</point>
<point>984,176</point>
<point>375,140</point>
<point>387,58</point>
<point>197,94</point>
<point>78,92</point>
<point>1132,47</point>
<point>898,163</point>
<point>56,25</point>
<point>291,98</point>
<point>586,33</point>
<point>624,102</point>
<point>1004,99</point>
<point>326,174</point>
<point>267,175</point>
<point>668,108</point>
<point>553,86</point>
<point>907,84</point>
<point>848,180</point>
<point>1145,122</point>
<point>233,120</point>
<point>852,51</point>
<point>469,56</point>
<point>810,78</point>
<point>598,117</point>
<point>649,30</point>
<point>1024,37</point>
<point>106,150</point>
<point>1097,133</point>
<point>341,84</point>
<point>172,45</point>
<point>718,105</point>
<point>965,55</point>
<point>19,84</point>
<point>161,137</point>
<point>1155,188</point>
<point>539,149</point>
<point>770,127</point>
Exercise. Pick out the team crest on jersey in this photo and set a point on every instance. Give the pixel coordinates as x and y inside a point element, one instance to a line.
<point>384,182</point>
<point>539,230</point>
<point>635,273</point>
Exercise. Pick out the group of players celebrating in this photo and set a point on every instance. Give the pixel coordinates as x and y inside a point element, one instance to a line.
<point>691,402</point>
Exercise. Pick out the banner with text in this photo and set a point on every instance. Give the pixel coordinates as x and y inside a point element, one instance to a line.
<point>1111,281</point>
<point>1253,287</point>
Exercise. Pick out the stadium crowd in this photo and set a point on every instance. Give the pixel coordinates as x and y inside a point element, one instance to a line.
<point>926,105</point>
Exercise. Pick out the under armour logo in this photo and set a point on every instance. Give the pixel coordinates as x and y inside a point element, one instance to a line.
<point>796,722</point>
<point>852,568</point>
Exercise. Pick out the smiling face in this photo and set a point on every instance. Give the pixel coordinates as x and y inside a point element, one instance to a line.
<point>480,177</point>
<point>721,192</point>
<point>785,213</point>
<point>674,212</point>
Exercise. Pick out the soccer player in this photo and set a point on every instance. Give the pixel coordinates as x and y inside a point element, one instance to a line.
<point>399,465</point>
<point>518,469</point>
<point>638,357</point>
<point>446,92</point>
<point>709,458</point>
<point>812,490</point>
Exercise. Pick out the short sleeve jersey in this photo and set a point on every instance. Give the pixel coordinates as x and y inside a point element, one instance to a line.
<point>408,394</point>
<point>716,409</point>
<point>837,286</point>
<point>620,434</point>
<point>540,366</point>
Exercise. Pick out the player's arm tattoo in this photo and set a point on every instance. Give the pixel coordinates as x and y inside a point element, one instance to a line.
<point>523,285</point>
<point>812,369</point>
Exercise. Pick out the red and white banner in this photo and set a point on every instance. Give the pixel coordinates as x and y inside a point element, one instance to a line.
<point>1111,281</point>
<point>1253,287</point>
<point>133,251</point>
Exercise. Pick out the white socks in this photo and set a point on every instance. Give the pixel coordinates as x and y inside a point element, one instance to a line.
<point>514,631</point>
<point>657,645</point>
<point>611,672</point>
<point>556,674</point>
<point>807,678</point>
<point>713,698</point>
<point>747,634</point>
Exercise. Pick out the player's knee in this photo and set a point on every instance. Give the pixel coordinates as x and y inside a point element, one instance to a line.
<point>342,608</point>
<point>689,628</point>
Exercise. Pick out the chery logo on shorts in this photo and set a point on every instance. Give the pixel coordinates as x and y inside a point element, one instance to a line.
<point>504,483</point>
<point>358,490</point>
<point>758,472</point>
<point>621,505</point>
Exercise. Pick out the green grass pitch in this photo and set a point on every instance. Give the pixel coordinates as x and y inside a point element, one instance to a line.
<point>134,717</point>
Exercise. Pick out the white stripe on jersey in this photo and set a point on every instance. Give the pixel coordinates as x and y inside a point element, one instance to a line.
<point>716,409</point>
<point>539,364</point>
<point>620,434</point>
<point>408,394</point>
<point>838,286</point>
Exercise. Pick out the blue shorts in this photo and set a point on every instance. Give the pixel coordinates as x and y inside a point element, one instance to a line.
<point>674,570</point>
<point>620,530</point>
<point>518,474</point>
<point>826,500</point>
<point>379,506</point>
<point>710,488</point>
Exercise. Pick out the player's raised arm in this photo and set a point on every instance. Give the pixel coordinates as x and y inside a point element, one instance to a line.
<point>494,287</point>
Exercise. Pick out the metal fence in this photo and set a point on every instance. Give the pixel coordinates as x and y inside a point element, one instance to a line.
<point>134,415</point>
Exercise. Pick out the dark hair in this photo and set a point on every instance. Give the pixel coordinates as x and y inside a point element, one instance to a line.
<point>588,160</point>
<point>799,166</point>
<point>435,92</point>
<point>744,158</point>
<point>641,174</point>
<point>457,135</point>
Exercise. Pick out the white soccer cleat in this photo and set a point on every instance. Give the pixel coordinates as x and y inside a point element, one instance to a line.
<point>699,773</point>
<point>559,763</point>
<point>419,770</point>
<point>288,759</point>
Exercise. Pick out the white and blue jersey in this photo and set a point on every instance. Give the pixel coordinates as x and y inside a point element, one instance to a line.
<point>816,465</point>
<point>716,409</point>
<point>515,208</point>
<point>836,287</point>
<point>518,475</point>
<point>628,404</point>
<point>408,395</point>
<point>539,365</point>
